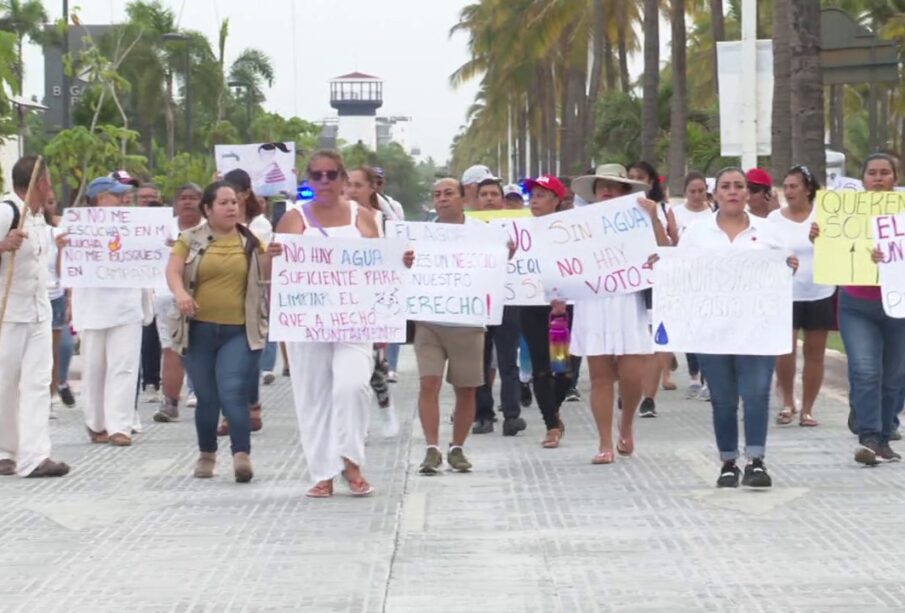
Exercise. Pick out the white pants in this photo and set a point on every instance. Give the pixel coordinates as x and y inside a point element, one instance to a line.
<point>110,377</point>
<point>332,390</point>
<point>26,361</point>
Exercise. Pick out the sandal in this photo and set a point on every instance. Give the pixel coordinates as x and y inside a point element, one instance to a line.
<point>604,457</point>
<point>784,418</point>
<point>552,439</point>
<point>807,421</point>
<point>322,489</point>
<point>358,487</point>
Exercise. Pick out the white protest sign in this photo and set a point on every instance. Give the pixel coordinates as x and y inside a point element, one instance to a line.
<point>338,290</point>
<point>116,247</point>
<point>847,183</point>
<point>598,250</point>
<point>889,235</point>
<point>524,285</point>
<point>723,301</point>
<point>271,166</point>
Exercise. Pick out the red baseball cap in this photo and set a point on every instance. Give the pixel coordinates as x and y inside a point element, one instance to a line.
<point>547,182</point>
<point>758,176</point>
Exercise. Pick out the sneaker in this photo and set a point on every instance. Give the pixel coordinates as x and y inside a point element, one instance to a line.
<point>887,454</point>
<point>482,426</point>
<point>456,459</point>
<point>390,422</point>
<point>648,408</point>
<point>392,376</point>
<point>693,391</point>
<point>527,397</point>
<point>866,453</point>
<point>756,474</point>
<point>191,400</point>
<point>168,411</point>
<point>705,394</point>
<point>66,395</point>
<point>267,377</point>
<point>150,394</point>
<point>433,460</point>
<point>729,475</point>
<point>513,425</point>
<point>573,396</point>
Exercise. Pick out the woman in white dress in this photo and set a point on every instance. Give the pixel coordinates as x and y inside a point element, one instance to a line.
<point>331,381</point>
<point>613,332</point>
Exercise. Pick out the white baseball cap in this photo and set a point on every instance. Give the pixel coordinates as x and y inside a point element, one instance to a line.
<point>476,174</point>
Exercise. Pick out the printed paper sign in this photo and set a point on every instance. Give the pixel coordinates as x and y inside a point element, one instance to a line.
<point>338,290</point>
<point>889,233</point>
<point>596,250</point>
<point>524,285</point>
<point>473,231</point>
<point>723,301</point>
<point>116,247</point>
<point>271,166</point>
<point>842,251</point>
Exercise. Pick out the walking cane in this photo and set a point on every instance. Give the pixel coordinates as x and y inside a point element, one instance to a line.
<point>35,173</point>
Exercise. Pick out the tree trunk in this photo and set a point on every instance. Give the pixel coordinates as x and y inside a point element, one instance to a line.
<point>169,117</point>
<point>649,123</point>
<point>588,105</point>
<point>807,87</point>
<point>521,134</point>
<point>678,119</point>
<point>781,137</point>
<point>609,66</point>
<point>567,131</point>
<point>718,33</point>
<point>837,120</point>
<point>623,64</point>
<point>549,116</point>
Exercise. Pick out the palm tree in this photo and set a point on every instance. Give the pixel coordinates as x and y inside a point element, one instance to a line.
<point>25,19</point>
<point>678,133</point>
<point>649,120</point>
<point>807,86</point>
<point>781,147</point>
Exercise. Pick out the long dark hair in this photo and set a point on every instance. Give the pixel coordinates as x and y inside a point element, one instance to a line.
<point>655,192</point>
<point>240,181</point>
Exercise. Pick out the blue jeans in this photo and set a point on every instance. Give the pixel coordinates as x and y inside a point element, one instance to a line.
<point>64,357</point>
<point>732,376</point>
<point>393,356</point>
<point>524,360</point>
<point>269,357</point>
<point>218,361</point>
<point>875,347</point>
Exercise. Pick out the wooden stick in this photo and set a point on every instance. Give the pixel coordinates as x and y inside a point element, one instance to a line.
<point>35,173</point>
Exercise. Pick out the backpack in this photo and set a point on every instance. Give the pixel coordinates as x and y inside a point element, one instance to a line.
<point>16,217</point>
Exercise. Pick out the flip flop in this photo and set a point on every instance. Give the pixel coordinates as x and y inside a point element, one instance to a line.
<point>784,418</point>
<point>807,421</point>
<point>321,490</point>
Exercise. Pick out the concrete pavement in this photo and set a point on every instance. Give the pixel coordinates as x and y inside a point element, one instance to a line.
<point>529,530</point>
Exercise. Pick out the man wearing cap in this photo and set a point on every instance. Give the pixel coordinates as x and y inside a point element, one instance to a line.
<point>25,334</point>
<point>471,179</point>
<point>394,205</point>
<point>148,195</point>
<point>761,201</point>
<point>109,321</point>
<point>512,197</point>
<point>121,176</point>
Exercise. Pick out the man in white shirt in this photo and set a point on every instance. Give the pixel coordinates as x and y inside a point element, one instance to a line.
<point>395,207</point>
<point>26,359</point>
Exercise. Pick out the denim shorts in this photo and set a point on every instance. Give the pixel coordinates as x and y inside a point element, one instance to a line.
<point>58,305</point>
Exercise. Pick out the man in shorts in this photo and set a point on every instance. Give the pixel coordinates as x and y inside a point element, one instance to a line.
<point>458,350</point>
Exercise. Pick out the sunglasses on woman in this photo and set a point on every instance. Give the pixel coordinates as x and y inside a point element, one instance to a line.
<point>318,175</point>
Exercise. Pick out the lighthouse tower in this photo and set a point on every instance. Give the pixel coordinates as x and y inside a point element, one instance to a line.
<point>356,98</point>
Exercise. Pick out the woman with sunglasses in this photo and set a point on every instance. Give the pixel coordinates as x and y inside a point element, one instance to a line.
<point>331,381</point>
<point>361,187</point>
<point>760,188</point>
<point>813,311</point>
<point>732,376</point>
<point>251,215</point>
<point>874,344</point>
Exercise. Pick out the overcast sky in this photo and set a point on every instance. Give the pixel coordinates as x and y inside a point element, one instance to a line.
<point>405,42</point>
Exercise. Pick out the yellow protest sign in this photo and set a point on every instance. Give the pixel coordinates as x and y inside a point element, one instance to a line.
<point>488,216</point>
<point>842,251</point>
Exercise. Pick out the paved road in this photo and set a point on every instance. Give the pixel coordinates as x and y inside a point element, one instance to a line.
<point>529,530</point>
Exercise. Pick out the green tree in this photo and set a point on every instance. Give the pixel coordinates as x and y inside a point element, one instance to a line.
<point>184,168</point>
<point>25,19</point>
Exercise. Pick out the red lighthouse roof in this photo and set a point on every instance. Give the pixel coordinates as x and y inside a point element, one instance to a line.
<point>357,75</point>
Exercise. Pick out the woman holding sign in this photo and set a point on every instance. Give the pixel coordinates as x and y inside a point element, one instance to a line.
<point>874,343</point>
<point>218,278</point>
<point>813,310</point>
<point>732,376</point>
<point>331,381</point>
<point>613,332</point>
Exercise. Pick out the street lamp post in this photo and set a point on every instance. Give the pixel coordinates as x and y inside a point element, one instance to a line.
<point>176,36</point>
<point>247,88</point>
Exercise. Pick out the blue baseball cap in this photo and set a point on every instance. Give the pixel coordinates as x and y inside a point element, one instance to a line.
<point>106,184</point>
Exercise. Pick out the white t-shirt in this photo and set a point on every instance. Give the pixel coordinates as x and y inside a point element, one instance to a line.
<point>99,308</point>
<point>54,289</point>
<point>795,236</point>
<point>707,234</point>
<point>685,217</point>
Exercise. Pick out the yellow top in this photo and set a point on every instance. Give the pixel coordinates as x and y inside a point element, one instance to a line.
<point>222,278</point>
